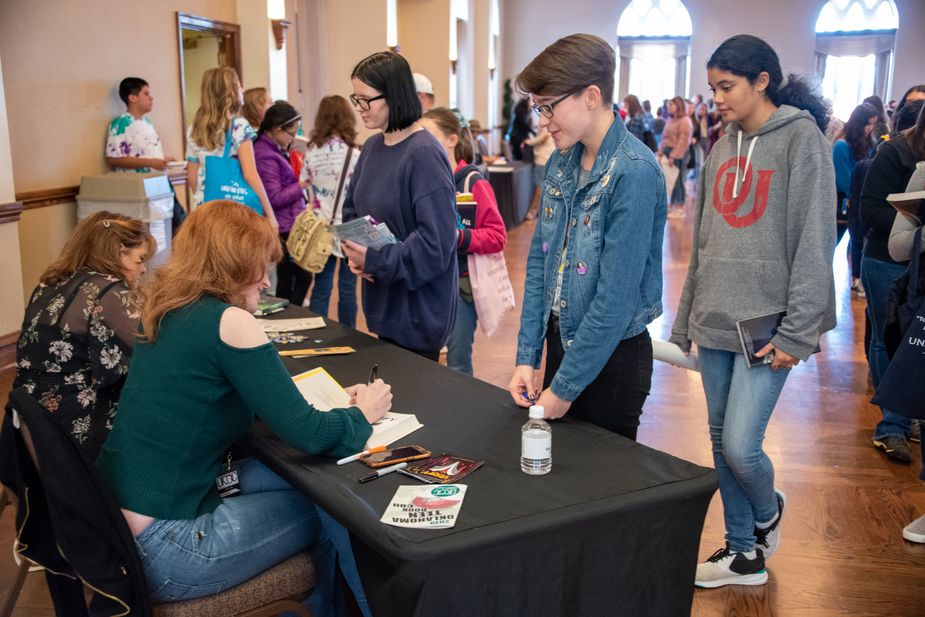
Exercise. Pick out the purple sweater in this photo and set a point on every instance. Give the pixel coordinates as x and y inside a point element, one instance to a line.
<point>408,186</point>
<point>279,181</point>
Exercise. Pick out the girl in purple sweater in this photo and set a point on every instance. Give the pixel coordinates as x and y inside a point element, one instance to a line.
<point>284,191</point>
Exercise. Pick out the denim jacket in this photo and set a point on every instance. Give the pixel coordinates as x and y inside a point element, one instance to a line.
<point>612,274</point>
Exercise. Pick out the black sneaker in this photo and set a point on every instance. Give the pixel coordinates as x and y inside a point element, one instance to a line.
<point>896,448</point>
<point>768,540</point>
<point>915,432</point>
<point>725,567</point>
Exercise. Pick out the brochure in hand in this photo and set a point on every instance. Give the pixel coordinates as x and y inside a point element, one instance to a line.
<point>757,332</point>
<point>366,231</point>
<point>425,507</point>
<point>442,469</point>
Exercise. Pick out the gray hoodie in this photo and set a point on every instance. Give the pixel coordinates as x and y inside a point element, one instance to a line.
<point>763,237</point>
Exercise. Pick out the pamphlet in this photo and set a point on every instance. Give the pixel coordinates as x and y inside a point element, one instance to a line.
<point>757,332</point>
<point>272,326</point>
<point>324,393</point>
<point>441,469</point>
<point>366,231</point>
<point>425,507</point>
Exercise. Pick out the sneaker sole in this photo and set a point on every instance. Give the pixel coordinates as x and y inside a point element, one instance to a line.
<point>758,578</point>
<point>891,454</point>
<point>918,538</point>
<point>783,506</point>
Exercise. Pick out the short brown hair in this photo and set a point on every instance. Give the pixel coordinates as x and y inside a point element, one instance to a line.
<point>253,104</point>
<point>221,248</point>
<point>452,122</point>
<point>96,245</point>
<point>335,117</point>
<point>569,65</point>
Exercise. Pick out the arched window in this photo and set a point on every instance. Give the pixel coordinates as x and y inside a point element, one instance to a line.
<point>654,40</point>
<point>855,41</point>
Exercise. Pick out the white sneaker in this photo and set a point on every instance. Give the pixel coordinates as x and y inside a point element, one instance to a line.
<point>915,531</point>
<point>768,539</point>
<point>725,567</point>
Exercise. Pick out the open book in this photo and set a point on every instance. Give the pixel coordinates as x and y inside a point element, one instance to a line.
<point>325,394</point>
<point>912,203</point>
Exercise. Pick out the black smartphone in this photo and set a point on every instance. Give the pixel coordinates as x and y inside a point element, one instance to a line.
<point>395,455</point>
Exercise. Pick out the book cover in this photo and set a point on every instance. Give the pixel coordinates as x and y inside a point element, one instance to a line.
<point>442,469</point>
<point>267,305</point>
<point>466,210</point>
<point>911,203</point>
<point>425,507</point>
<point>757,332</point>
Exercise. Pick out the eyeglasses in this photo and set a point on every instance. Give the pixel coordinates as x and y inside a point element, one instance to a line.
<point>294,131</point>
<point>363,104</point>
<point>549,110</point>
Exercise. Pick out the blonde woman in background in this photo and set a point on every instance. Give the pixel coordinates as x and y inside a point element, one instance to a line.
<point>219,116</point>
<point>256,103</point>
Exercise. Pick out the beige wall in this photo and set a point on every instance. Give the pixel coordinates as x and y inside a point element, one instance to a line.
<point>11,298</point>
<point>424,39</point>
<point>909,68</point>
<point>255,37</point>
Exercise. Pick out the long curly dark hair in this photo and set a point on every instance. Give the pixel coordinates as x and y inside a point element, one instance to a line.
<point>853,132</point>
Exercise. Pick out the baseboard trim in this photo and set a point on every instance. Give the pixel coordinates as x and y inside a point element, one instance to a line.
<point>8,350</point>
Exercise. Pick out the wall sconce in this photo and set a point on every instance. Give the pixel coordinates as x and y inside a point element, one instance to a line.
<point>491,73</point>
<point>395,48</point>
<point>453,66</point>
<point>279,31</point>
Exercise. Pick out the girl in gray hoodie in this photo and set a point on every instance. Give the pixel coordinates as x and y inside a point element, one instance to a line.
<point>764,236</point>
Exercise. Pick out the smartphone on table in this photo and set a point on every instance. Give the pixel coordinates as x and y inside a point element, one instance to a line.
<point>392,456</point>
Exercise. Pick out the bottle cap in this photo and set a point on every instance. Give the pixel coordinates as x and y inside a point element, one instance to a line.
<point>537,411</point>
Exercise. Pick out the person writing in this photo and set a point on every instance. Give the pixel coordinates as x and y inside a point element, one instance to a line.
<point>201,374</point>
<point>594,270</point>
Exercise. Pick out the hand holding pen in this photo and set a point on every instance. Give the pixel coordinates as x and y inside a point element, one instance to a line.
<point>374,399</point>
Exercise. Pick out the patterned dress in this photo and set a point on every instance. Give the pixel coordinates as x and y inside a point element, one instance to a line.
<point>133,137</point>
<point>241,131</point>
<point>74,349</point>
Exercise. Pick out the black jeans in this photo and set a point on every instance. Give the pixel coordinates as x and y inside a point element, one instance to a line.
<point>614,399</point>
<point>292,282</point>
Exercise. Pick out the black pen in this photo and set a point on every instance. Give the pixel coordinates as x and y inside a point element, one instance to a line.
<point>381,472</point>
<point>373,373</point>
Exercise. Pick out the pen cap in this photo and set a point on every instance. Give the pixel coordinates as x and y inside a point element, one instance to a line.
<point>537,411</point>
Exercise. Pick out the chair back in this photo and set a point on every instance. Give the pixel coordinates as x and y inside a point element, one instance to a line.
<point>88,526</point>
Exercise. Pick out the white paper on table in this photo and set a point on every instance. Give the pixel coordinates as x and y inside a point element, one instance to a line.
<point>274,326</point>
<point>425,507</point>
<point>392,427</point>
<point>672,354</point>
<point>321,390</point>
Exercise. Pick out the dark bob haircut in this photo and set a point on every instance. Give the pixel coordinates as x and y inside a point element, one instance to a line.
<point>390,74</point>
<point>130,85</point>
<point>748,56</point>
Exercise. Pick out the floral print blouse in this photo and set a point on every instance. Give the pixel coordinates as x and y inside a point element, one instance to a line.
<point>241,131</point>
<point>74,349</point>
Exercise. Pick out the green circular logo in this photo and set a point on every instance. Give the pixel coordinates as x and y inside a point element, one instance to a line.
<point>444,491</point>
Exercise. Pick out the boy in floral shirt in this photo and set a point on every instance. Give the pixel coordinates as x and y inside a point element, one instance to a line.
<point>133,144</point>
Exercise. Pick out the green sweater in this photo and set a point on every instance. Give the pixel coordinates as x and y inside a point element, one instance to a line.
<point>189,397</point>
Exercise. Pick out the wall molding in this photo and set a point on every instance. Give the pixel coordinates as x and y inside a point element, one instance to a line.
<point>8,350</point>
<point>10,212</point>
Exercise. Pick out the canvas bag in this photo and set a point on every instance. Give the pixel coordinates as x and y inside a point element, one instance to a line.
<point>902,388</point>
<point>491,286</point>
<point>310,242</point>
<point>225,180</point>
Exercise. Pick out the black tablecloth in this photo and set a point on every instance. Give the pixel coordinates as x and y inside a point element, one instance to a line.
<point>613,530</point>
<point>513,187</point>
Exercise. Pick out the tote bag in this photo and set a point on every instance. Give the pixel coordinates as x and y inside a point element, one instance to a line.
<point>491,289</point>
<point>224,180</point>
<point>902,388</point>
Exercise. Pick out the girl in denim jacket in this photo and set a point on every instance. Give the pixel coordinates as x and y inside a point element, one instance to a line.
<point>594,271</point>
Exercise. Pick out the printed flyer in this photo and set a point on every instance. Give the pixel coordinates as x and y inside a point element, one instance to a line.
<point>425,507</point>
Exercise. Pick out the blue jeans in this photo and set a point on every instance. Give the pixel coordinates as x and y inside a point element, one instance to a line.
<point>878,277</point>
<point>739,405</point>
<point>459,347</point>
<point>346,292</point>
<point>246,535</point>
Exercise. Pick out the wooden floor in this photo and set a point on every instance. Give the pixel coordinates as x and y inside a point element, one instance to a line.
<point>842,552</point>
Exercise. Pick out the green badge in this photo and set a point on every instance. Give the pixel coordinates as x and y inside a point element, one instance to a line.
<point>444,491</point>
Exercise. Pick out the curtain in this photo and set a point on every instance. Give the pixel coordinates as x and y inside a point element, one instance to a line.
<point>883,74</point>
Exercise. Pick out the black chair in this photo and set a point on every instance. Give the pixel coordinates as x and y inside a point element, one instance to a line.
<point>83,513</point>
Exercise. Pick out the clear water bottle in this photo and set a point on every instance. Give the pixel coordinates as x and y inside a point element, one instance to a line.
<point>536,444</point>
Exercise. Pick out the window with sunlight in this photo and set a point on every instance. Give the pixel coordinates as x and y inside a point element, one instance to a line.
<point>654,44</point>
<point>855,42</point>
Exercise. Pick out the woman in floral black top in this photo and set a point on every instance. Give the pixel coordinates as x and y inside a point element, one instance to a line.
<point>77,334</point>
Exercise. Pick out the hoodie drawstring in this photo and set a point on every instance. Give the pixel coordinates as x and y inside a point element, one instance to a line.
<point>748,160</point>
